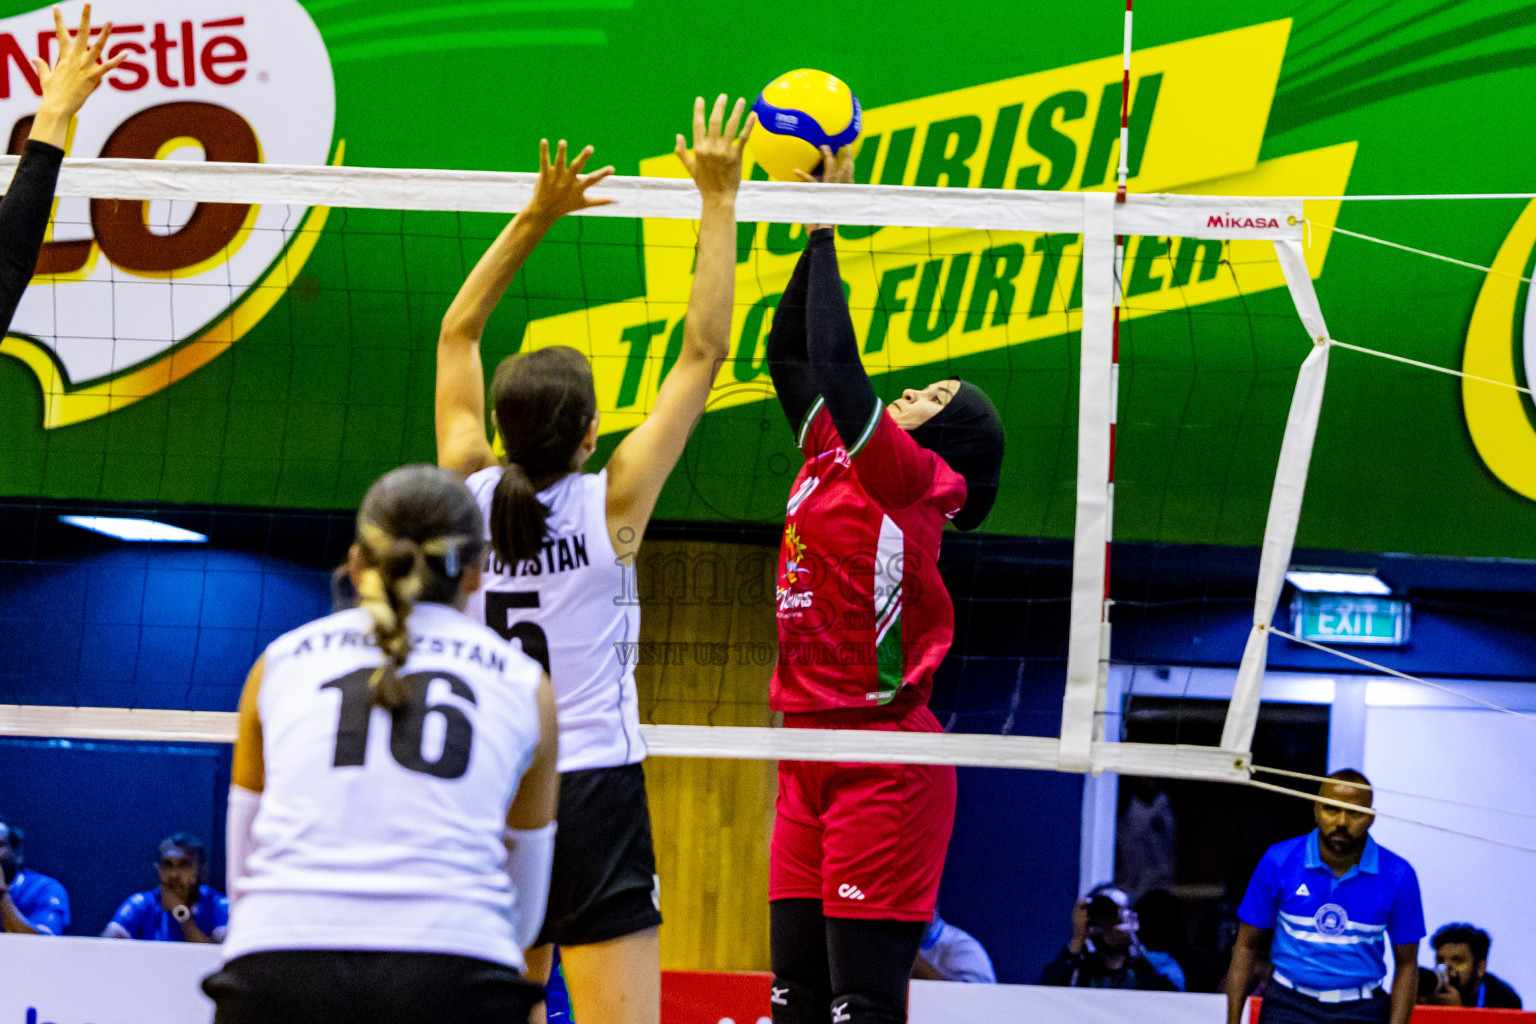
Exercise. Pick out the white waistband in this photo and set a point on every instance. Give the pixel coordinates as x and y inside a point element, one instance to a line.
<point>1332,995</point>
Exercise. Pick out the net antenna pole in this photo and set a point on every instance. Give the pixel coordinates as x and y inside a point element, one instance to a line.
<point>1114,373</point>
<point>1285,501</point>
<point>1082,720</point>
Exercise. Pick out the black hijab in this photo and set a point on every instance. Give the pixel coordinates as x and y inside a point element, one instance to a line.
<point>968,434</point>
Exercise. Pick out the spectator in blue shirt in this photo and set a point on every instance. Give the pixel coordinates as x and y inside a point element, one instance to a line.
<point>949,953</point>
<point>1332,899</point>
<point>183,908</point>
<point>30,903</point>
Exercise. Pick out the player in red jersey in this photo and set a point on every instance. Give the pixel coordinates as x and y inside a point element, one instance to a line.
<point>864,620</point>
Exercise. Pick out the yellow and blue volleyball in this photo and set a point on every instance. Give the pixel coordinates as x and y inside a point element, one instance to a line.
<point>799,112</point>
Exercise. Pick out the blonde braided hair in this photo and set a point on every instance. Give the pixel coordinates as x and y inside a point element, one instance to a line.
<point>395,574</point>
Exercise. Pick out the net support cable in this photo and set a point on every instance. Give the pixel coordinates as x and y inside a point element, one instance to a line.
<point>1417,252</point>
<point>1384,670</point>
<point>1320,780</point>
<point>1344,805</point>
<point>1097,216</point>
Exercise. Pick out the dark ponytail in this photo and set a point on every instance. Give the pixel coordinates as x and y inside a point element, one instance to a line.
<point>418,529</point>
<point>545,403</point>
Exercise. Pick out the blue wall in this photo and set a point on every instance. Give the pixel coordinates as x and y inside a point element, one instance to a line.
<point>92,621</point>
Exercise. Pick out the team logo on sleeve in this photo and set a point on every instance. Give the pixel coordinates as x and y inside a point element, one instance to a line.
<point>131,296</point>
<point>1330,919</point>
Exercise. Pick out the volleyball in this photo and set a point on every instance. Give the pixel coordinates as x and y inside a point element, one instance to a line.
<point>799,112</point>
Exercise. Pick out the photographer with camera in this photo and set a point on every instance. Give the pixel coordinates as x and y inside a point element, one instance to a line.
<point>30,903</point>
<point>1461,971</point>
<point>1105,952</point>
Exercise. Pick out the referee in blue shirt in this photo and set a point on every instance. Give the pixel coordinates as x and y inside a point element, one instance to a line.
<point>1332,899</point>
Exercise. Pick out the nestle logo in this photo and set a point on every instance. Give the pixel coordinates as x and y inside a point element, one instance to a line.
<point>1226,220</point>
<point>173,53</point>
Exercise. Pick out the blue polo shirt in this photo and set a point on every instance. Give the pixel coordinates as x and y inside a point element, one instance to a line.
<point>42,901</point>
<point>142,917</point>
<point>1331,931</point>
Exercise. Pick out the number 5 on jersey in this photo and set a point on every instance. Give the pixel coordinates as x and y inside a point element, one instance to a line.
<point>501,613</point>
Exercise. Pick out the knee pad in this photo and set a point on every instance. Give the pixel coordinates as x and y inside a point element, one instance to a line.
<point>862,1009</point>
<point>794,1003</point>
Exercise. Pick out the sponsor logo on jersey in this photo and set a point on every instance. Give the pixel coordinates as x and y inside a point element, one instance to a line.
<point>794,556</point>
<point>777,995</point>
<point>794,600</point>
<point>1302,890</point>
<point>850,892</point>
<point>1330,919</point>
<point>110,317</point>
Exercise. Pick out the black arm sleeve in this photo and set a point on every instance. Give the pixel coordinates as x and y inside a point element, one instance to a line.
<point>24,213</point>
<point>832,346</point>
<point>787,361</point>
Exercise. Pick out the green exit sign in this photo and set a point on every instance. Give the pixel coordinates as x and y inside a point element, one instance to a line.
<point>1350,619</point>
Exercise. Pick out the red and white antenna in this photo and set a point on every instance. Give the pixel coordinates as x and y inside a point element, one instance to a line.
<point>1114,359</point>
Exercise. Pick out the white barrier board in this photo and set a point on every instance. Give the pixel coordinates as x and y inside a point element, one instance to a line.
<point>73,980</point>
<point>947,1002</point>
<point>109,981</point>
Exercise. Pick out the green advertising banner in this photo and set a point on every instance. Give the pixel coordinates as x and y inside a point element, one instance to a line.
<point>273,356</point>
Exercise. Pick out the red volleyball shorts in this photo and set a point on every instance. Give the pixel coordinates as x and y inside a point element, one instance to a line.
<point>868,840</point>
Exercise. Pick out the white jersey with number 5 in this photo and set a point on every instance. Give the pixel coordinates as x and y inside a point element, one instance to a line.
<point>577,601</point>
<point>379,831</point>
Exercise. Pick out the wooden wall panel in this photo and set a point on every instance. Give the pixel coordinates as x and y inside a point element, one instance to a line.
<point>708,638</point>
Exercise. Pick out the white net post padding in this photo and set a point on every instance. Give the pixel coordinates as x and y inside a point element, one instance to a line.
<point>1095,215</point>
<point>1285,502</point>
<point>1088,642</point>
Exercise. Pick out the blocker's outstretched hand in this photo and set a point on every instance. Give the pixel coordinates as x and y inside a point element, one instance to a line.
<point>715,162</point>
<point>76,74</point>
<point>562,186</point>
<point>836,169</point>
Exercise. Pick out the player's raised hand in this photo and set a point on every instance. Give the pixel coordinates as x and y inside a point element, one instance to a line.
<point>562,186</point>
<point>836,168</point>
<point>75,74</point>
<point>715,161</point>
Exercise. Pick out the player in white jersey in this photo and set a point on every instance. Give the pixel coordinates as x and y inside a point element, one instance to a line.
<point>390,825</point>
<point>560,576</point>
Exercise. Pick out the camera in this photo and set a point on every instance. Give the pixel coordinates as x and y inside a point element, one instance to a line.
<point>1103,908</point>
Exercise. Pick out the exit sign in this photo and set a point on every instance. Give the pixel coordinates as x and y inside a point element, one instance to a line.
<point>1350,619</point>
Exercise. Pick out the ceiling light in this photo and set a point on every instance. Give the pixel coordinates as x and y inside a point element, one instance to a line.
<point>1313,581</point>
<point>135,529</point>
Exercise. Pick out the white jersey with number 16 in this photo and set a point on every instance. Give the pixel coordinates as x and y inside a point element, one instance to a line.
<point>573,607</point>
<point>380,831</point>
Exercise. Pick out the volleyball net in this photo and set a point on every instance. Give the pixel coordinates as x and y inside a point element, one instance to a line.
<point>334,280</point>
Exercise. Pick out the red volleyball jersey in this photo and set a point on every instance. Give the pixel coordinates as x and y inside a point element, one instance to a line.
<point>863,613</point>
